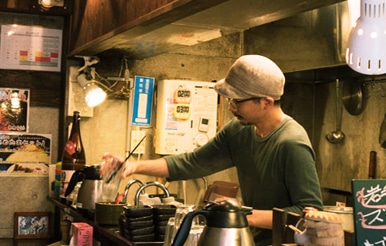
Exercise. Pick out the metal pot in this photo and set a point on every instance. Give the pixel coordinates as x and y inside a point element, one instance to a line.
<point>346,213</point>
<point>108,213</point>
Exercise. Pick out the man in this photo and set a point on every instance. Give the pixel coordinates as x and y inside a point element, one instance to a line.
<point>272,153</point>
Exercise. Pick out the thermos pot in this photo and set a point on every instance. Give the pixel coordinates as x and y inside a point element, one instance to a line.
<point>226,225</point>
<point>90,189</point>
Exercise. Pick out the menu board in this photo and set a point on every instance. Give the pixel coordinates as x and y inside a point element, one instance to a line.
<point>370,211</point>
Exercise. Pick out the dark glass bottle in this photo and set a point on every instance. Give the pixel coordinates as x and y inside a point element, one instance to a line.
<point>73,157</point>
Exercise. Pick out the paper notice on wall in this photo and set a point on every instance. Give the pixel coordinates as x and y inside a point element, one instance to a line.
<point>142,101</point>
<point>30,48</point>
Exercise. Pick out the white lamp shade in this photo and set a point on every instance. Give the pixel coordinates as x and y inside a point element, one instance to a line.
<point>366,51</point>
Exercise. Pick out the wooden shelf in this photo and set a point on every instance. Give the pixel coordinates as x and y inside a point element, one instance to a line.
<point>107,235</point>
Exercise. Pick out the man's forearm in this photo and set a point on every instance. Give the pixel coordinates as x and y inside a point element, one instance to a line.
<point>260,219</point>
<point>157,168</point>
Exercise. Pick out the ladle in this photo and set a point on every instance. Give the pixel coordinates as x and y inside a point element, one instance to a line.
<point>337,135</point>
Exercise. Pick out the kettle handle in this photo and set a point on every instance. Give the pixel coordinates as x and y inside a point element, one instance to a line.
<point>184,230</point>
<point>74,179</point>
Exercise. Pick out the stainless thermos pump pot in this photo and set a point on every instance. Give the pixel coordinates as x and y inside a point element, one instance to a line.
<point>226,225</point>
<point>90,189</point>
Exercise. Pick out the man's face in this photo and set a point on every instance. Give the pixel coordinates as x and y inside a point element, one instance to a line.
<point>249,111</point>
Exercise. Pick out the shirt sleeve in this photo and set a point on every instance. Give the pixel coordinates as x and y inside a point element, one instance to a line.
<point>301,178</point>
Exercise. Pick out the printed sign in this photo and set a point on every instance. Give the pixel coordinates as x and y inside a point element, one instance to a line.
<point>30,48</point>
<point>370,211</point>
<point>14,109</point>
<point>142,101</point>
<point>25,153</point>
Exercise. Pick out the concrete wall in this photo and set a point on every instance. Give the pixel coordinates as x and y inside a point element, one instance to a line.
<point>294,44</point>
<point>28,193</point>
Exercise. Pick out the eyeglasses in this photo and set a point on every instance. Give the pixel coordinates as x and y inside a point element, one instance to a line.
<point>235,102</point>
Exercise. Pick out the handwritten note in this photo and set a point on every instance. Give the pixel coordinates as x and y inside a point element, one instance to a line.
<point>370,211</point>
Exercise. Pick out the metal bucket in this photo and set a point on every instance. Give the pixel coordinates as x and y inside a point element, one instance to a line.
<point>347,216</point>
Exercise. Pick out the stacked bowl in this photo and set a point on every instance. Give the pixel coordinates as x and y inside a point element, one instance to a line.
<point>136,224</point>
<point>145,224</point>
<point>161,215</point>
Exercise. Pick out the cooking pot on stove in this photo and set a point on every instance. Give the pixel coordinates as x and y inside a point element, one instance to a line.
<point>90,189</point>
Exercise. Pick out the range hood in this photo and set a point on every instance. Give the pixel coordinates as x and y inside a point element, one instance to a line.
<point>143,41</point>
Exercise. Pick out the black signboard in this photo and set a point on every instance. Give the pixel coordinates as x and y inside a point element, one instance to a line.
<point>370,211</point>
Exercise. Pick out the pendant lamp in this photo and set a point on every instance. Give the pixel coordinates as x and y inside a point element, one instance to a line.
<point>366,51</point>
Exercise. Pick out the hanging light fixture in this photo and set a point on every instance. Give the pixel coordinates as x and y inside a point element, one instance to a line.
<point>366,51</point>
<point>96,87</point>
<point>93,94</point>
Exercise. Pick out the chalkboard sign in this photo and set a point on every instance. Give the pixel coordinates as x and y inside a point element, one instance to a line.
<point>370,211</point>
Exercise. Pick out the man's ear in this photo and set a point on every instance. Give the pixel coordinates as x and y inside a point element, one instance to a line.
<point>268,101</point>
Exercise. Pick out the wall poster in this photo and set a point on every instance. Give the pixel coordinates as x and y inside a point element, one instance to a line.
<point>370,211</point>
<point>25,153</point>
<point>14,109</point>
<point>30,48</point>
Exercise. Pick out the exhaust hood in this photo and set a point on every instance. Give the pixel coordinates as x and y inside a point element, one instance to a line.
<point>229,17</point>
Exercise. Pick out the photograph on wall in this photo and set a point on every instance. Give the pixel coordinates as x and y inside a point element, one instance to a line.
<point>30,48</point>
<point>14,109</point>
<point>32,225</point>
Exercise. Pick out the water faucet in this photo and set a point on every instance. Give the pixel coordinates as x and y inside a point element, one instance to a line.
<point>127,188</point>
<point>154,183</point>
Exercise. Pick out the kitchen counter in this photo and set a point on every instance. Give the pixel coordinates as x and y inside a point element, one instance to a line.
<point>106,235</point>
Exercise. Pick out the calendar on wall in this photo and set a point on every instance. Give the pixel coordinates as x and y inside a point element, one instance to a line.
<point>30,48</point>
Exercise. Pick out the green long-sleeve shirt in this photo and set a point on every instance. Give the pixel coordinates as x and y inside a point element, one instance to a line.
<point>275,171</point>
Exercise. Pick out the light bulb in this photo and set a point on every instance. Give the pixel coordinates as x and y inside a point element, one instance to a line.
<point>94,95</point>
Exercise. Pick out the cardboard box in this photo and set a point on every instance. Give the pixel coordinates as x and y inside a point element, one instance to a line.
<point>82,234</point>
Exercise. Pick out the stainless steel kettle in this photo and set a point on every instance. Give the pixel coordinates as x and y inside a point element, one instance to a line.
<point>90,189</point>
<point>226,225</point>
